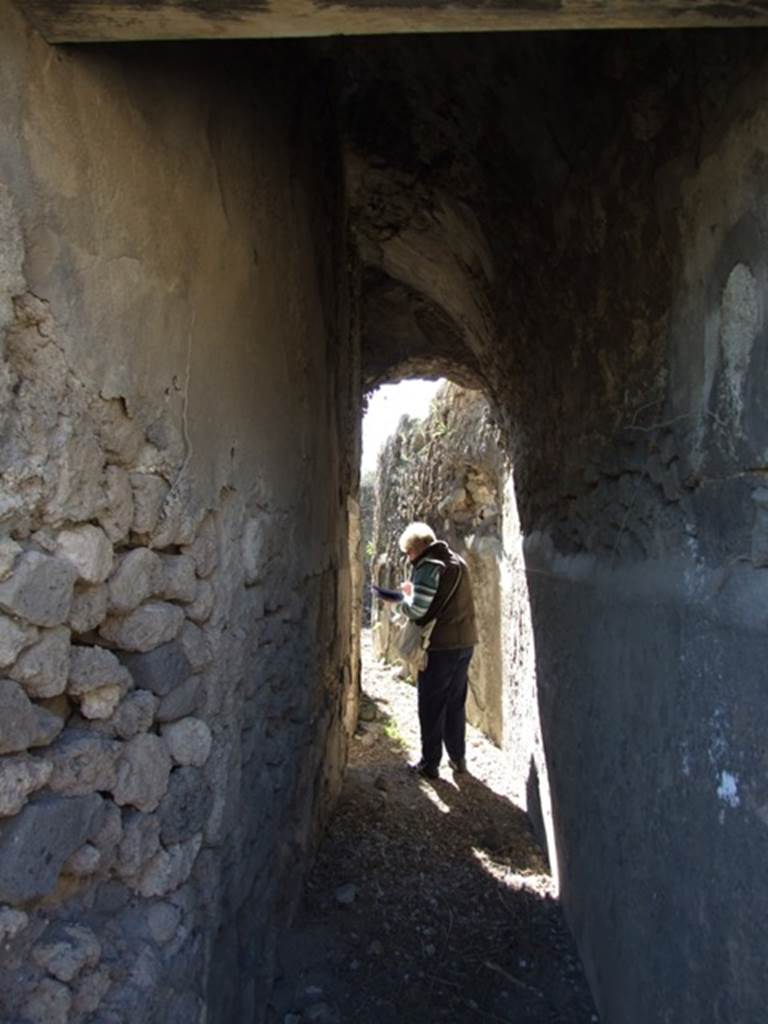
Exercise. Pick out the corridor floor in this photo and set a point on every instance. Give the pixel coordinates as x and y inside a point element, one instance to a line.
<point>429,901</point>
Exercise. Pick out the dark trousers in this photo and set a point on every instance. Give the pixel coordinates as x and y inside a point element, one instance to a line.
<point>442,696</point>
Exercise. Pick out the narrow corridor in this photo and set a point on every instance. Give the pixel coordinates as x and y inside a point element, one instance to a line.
<point>428,901</point>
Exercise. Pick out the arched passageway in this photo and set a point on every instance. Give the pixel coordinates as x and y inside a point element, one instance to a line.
<point>207,255</point>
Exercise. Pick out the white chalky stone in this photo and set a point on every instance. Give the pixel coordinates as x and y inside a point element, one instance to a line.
<point>100,704</point>
<point>89,549</point>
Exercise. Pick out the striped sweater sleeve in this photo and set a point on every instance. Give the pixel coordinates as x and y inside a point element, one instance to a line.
<point>426,579</point>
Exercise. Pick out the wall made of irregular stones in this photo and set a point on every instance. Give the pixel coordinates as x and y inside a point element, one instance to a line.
<point>175,568</point>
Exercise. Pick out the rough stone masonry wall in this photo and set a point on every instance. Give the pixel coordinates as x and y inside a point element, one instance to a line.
<point>447,470</point>
<point>578,223</point>
<point>177,385</point>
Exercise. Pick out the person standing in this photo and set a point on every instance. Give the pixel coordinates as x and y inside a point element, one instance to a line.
<point>440,590</point>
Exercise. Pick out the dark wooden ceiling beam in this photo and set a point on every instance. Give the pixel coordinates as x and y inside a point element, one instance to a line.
<point>63,21</point>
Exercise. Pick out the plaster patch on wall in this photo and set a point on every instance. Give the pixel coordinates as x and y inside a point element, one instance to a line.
<point>11,257</point>
<point>739,325</point>
<point>728,789</point>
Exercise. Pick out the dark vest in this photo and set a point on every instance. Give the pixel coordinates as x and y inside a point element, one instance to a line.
<point>456,619</point>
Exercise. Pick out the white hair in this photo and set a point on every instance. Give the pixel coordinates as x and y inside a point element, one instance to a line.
<point>416,535</point>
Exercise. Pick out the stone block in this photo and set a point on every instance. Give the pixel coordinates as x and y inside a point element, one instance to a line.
<point>50,1003</point>
<point>108,838</point>
<point>98,705</point>
<point>149,494</point>
<point>203,550</point>
<point>83,862</point>
<point>189,741</point>
<point>200,609</point>
<point>43,668</point>
<point>40,589</point>
<point>66,950</point>
<point>182,701</point>
<point>163,921</point>
<point>142,773</point>
<point>91,668</point>
<point>148,627</point>
<point>160,670</point>
<point>20,776</point>
<point>134,715</point>
<point>139,843</point>
<point>168,869</point>
<point>118,519</point>
<point>89,549</point>
<point>89,607</point>
<point>14,637</point>
<point>184,808</point>
<point>83,762</point>
<point>196,646</point>
<point>22,725</point>
<point>35,844</point>
<point>12,923</point>
<point>9,552</point>
<point>138,576</point>
<point>175,526</point>
<point>179,582</point>
<point>89,990</point>
<point>120,435</point>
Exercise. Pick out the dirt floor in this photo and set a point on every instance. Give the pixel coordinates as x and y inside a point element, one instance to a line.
<point>429,901</point>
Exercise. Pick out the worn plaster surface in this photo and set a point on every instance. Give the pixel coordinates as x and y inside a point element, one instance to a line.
<point>176,572</point>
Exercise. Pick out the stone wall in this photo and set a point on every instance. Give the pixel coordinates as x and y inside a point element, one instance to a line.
<point>447,470</point>
<point>175,564</point>
<point>576,228</point>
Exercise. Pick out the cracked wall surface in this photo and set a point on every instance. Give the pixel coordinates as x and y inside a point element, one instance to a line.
<point>178,668</point>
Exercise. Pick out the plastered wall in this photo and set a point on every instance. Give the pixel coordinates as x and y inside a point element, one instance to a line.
<point>178,434</point>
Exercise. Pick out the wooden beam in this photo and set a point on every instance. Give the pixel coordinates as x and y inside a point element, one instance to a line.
<point>66,21</point>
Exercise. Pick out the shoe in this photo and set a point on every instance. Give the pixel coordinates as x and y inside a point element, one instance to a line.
<point>425,770</point>
<point>459,766</point>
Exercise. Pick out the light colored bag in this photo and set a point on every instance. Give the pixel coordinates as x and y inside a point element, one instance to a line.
<point>412,643</point>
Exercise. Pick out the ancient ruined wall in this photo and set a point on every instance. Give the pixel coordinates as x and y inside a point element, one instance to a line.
<point>639,497</point>
<point>446,470</point>
<point>178,392</point>
<point>586,215</point>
